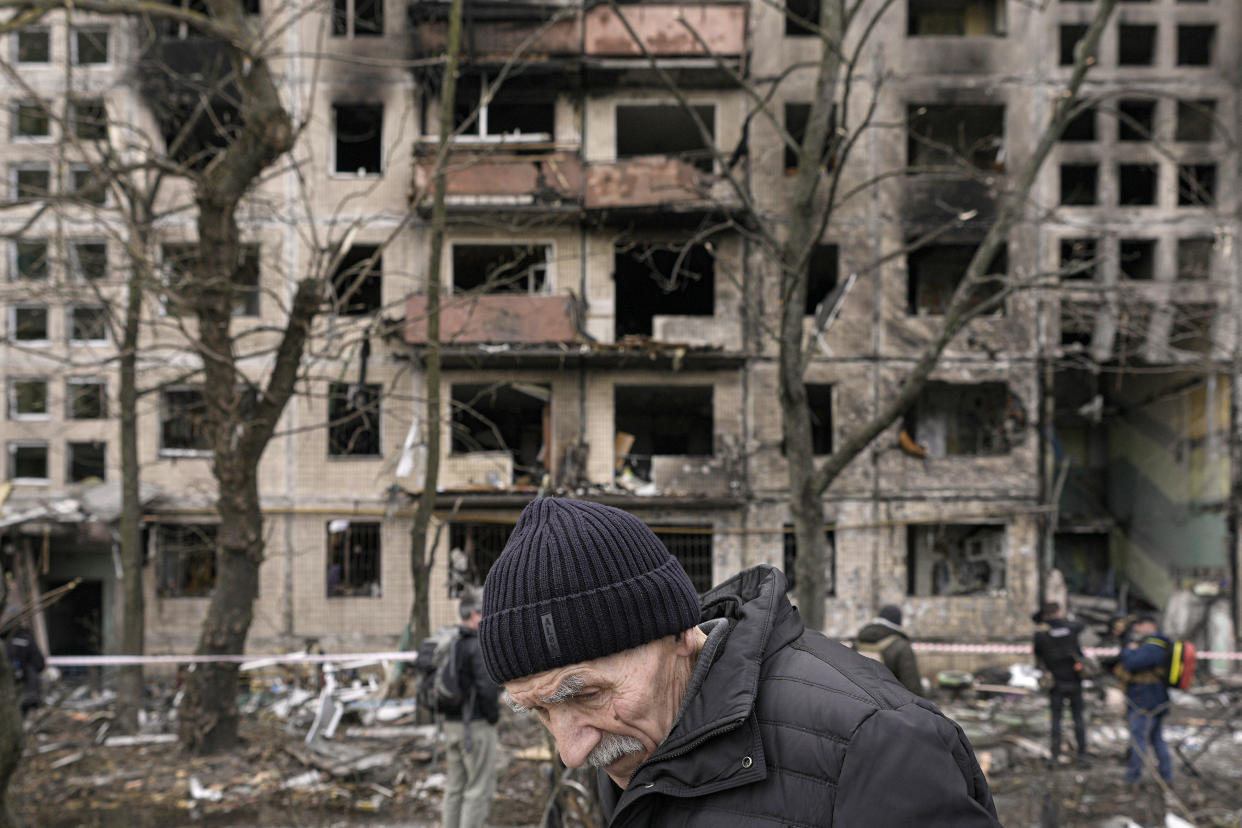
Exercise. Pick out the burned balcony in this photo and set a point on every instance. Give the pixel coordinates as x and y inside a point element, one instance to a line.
<point>473,319</point>
<point>664,440</point>
<point>499,435</point>
<point>658,285</point>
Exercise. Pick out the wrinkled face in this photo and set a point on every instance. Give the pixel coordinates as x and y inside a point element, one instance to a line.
<point>611,712</point>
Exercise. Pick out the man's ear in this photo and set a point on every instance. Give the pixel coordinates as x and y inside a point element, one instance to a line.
<point>683,643</point>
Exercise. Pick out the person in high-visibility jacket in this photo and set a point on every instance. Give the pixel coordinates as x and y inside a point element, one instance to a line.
<point>1144,667</point>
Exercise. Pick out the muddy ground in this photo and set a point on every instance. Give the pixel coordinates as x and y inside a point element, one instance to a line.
<point>72,774</point>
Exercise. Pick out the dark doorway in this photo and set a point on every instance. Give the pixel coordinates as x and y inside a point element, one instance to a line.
<point>75,622</point>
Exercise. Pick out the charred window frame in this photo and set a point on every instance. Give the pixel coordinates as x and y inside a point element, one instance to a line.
<point>953,135</point>
<point>353,419</point>
<point>802,18</point>
<point>1136,119</point>
<point>28,399</point>
<point>87,460</point>
<point>1080,184</point>
<point>1083,126</point>
<point>30,181</point>
<point>87,324</point>
<point>1136,44</point>
<point>357,18</point>
<point>28,323</point>
<point>500,268</point>
<point>359,139</point>
<point>186,557</point>
<point>1079,258</point>
<point>691,545</point>
<point>661,279</point>
<point>789,560</point>
<point>474,546</point>
<point>1196,121</point>
<point>1136,259</point>
<point>184,427</point>
<point>358,283</point>
<point>955,559</point>
<point>515,113</point>
<point>354,559</point>
<point>86,398</point>
<point>28,462</point>
<point>983,419</point>
<point>1137,184</point>
<point>1196,185</point>
<point>665,129</point>
<point>955,18</point>
<point>1196,45</point>
<point>33,45</point>
<point>662,421</point>
<point>511,417</point>
<point>934,271</point>
<point>30,260</point>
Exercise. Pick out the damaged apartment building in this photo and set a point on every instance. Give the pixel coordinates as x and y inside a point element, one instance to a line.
<point>607,321</point>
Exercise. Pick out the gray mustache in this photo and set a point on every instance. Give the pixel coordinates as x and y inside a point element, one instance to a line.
<point>611,748</point>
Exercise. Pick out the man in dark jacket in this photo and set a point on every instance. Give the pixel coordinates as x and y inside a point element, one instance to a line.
<point>1057,650</point>
<point>728,713</point>
<point>470,733</point>
<point>28,665</point>
<point>886,641</point>
<point>1145,670</point>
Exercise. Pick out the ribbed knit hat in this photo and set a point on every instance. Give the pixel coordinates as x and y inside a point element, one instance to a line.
<point>576,581</point>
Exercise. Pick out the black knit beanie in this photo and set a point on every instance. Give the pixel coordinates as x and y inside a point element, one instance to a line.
<point>577,581</point>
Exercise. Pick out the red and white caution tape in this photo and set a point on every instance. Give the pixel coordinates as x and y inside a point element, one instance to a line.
<point>1025,649</point>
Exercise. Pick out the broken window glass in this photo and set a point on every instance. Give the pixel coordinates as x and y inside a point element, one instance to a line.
<point>186,553</point>
<point>500,268</point>
<point>353,567</point>
<point>504,417</point>
<point>515,112</point>
<point>662,279</point>
<point>967,419</point>
<point>950,135</point>
<point>947,559</point>
<point>353,419</point>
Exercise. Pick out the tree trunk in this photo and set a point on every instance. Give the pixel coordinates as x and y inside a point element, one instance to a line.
<point>11,735</point>
<point>422,558</point>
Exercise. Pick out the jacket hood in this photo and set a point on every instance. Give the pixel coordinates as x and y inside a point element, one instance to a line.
<point>878,629</point>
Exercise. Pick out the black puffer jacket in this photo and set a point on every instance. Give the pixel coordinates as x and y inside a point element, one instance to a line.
<point>781,726</point>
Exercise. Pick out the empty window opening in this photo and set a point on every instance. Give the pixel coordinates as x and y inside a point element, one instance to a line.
<point>359,138</point>
<point>90,45</point>
<point>1082,558</point>
<point>801,18</point>
<point>1082,126</point>
<point>1196,185</point>
<point>797,116</point>
<point>1196,120</point>
<point>28,323</point>
<point>357,18</point>
<point>358,284</point>
<point>692,547</point>
<point>1192,327</point>
<point>822,275</point>
<point>1195,45</point>
<point>30,120</point>
<point>652,279</point>
<point>1194,258</point>
<point>178,263</point>
<point>353,567</point>
<point>819,400</point>
<point>28,461</point>
<point>661,421</point>
<point>353,419</point>
<point>935,270</point>
<point>1078,258</point>
<point>1077,325</point>
<point>504,417</point>
<point>1069,36</point>
<point>473,549</point>
<point>666,129</point>
<point>88,261</point>
<point>955,134</point>
<point>31,182</point>
<point>789,560</point>
<point>88,185</point>
<point>87,461</point>
<point>500,268</point>
<point>1136,45</point>
<point>1136,119</point>
<point>34,45</point>
<point>30,260</point>
<point>28,399</point>
<point>955,18</point>
<point>945,559</point>
<point>1137,259</point>
<point>183,421</point>
<point>959,419</point>
<point>1136,184</point>
<point>246,282</point>
<point>88,324</point>
<point>515,112</point>
<point>186,554</point>
<point>86,398</point>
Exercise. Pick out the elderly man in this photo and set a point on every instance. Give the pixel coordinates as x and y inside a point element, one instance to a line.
<point>732,713</point>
